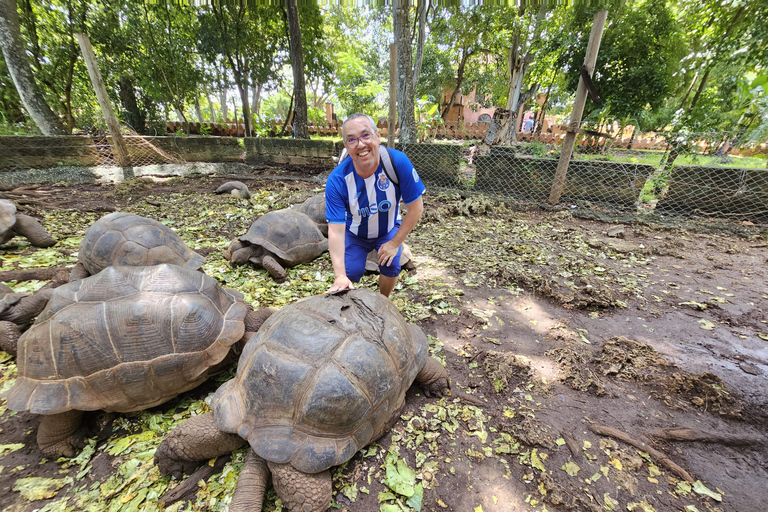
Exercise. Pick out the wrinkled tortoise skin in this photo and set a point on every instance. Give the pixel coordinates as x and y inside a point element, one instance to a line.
<point>126,339</point>
<point>16,224</point>
<point>321,379</point>
<point>122,238</point>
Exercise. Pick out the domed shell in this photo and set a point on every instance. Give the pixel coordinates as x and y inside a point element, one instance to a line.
<point>125,339</point>
<point>122,238</point>
<point>314,208</point>
<point>288,234</point>
<point>321,379</point>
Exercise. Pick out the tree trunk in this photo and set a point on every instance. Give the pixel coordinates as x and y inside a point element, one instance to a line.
<point>212,113</point>
<point>15,57</point>
<point>133,116</point>
<point>223,96</point>
<point>518,59</point>
<point>459,79</point>
<point>182,118</point>
<point>242,88</point>
<point>300,129</point>
<point>198,110</point>
<point>256,100</point>
<point>422,14</point>
<point>405,102</point>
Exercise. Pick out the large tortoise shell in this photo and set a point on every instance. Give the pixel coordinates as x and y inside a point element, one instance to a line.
<point>288,234</point>
<point>125,339</point>
<point>122,238</point>
<point>314,208</point>
<point>321,379</point>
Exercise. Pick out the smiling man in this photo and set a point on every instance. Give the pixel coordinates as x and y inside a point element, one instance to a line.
<point>362,206</point>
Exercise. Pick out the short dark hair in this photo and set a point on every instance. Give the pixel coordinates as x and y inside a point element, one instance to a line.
<point>355,116</point>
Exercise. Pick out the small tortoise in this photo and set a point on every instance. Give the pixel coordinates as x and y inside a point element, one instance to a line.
<point>323,378</point>
<point>314,208</point>
<point>122,238</point>
<point>17,311</point>
<point>236,188</point>
<point>16,224</point>
<point>278,239</point>
<point>406,260</point>
<point>125,339</point>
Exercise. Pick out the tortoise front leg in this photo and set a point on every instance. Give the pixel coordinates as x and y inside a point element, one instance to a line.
<point>274,269</point>
<point>78,272</point>
<point>251,485</point>
<point>9,337</point>
<point>192,441</point>
<point>25,311</point>
<point>60,435</point>
<point>434,379</point>
<point>301,492</point>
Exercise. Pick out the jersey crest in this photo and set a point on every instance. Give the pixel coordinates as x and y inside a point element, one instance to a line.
<point>382,183</point>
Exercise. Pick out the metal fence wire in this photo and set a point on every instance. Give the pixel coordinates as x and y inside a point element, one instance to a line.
<point>711,175</point>
<point>708,175</point>
<point>22,153</point>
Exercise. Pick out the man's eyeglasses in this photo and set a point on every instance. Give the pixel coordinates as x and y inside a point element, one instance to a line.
<point>364,138</point>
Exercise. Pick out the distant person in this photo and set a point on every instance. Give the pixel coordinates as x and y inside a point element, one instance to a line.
<point>528,125</point>
<point>362,206</point>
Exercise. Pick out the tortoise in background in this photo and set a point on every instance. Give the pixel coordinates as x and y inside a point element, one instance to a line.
<point>17,224</point>
<point>323,378</point>
<point>314,208</point>
<point>17,311</point>
<point>278,239</point>
<point>125,339</point>
<point>406,260</point>
<point>236,188</point>
<point>123,238</point>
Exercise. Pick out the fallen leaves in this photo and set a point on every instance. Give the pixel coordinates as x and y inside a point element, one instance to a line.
<point>39,488</point>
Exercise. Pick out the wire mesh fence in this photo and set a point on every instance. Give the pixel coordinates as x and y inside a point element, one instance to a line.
<point>709,175</point>
<point>19,153</point>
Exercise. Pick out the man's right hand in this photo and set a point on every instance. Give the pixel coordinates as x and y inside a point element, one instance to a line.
<point>341,283</point>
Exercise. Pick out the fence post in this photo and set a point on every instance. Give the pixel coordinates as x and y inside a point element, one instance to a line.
<point>578,107</point>
<point>121,151</point>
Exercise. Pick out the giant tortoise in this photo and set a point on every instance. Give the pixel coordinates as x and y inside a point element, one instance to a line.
<point>323,377</point>
<point>314,208</point>
<point>16,224</point>
<point>278,239</point>
<point>17,311</point>
<point>125,339</point>
<point>406,260</point>
<point>122,238</point>
<point>236,188</point>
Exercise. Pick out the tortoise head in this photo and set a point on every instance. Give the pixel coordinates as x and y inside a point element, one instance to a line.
<point>240,253</point>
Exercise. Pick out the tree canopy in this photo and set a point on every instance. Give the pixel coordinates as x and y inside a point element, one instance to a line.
<point>695,65</point>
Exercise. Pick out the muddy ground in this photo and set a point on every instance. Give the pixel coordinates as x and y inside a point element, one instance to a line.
<point>589,372</point>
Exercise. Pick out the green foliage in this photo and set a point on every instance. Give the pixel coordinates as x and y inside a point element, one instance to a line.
<point>635,68</point>
<point>358,39</point>
<point>427,117</point>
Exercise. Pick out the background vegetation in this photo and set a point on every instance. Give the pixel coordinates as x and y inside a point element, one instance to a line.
<point>698,65</point>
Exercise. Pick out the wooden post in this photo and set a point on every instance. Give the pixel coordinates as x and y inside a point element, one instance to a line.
<point>392,96</point>
<point>118,144</point>
<point>578,107</point>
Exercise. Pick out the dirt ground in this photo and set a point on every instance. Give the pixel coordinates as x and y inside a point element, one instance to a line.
<point>589,371</point>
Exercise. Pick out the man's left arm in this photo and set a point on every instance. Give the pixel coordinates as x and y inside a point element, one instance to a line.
<point>388,251</point>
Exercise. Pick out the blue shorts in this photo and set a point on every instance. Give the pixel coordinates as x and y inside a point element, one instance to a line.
<point>357,250</point>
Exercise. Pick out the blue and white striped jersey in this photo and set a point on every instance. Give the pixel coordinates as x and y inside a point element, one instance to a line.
<point>369,207</point>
